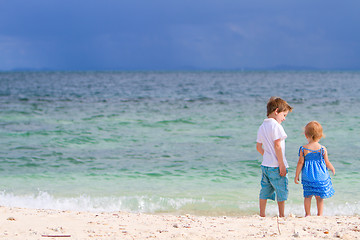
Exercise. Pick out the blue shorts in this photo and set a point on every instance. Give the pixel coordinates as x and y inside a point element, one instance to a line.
<point>272,183</point>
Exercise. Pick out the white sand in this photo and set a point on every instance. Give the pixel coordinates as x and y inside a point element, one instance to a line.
<point>17,223</point>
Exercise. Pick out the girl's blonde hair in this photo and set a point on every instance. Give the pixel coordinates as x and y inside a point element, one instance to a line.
<point>314,130</point>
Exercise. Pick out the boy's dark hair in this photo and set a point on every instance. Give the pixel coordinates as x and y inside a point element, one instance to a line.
<point>277,103</point>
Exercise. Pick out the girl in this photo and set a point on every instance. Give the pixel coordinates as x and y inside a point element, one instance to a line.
<point>313,161</point>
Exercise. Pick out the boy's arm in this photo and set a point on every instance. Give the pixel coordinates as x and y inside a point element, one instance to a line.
<point>299,167</point>
<point>259,148</point>
<point>279,156</point>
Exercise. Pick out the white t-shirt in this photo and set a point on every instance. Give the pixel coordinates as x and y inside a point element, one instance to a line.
<point>269,131</point>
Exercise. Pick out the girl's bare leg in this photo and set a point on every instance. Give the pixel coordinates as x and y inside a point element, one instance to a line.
<point>320,205</point>
<point>307,206</point>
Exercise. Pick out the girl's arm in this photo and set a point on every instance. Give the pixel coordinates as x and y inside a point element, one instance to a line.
<point>327,162</point>
<point>299,167</point>
<point>259,148</point>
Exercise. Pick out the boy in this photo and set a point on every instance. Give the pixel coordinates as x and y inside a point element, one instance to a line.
<point>270,143</point>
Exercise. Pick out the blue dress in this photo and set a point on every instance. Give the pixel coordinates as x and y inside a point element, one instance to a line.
<point>315,177</point>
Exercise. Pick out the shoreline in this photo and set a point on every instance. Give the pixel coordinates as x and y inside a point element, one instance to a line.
<point>21,223</point>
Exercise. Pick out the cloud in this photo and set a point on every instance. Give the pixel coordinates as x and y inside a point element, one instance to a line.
<point>16,53</point>
<point>159,34</point>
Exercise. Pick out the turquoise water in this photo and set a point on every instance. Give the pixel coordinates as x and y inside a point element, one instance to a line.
<point>166,142</point>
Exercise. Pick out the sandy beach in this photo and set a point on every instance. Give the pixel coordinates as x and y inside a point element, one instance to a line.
<point>18,223</point>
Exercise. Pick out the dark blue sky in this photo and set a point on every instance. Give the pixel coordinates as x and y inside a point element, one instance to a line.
<point>179,34</point>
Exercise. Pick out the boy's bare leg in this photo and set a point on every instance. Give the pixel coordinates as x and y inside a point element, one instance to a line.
<point>262,203</point>
<point>307,206</point>
<point>281,206</point>
<point>320,205</point>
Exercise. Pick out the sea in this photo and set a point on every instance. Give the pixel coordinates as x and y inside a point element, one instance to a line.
<point>178,142</point>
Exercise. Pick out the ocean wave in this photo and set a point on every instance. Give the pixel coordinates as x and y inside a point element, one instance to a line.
<point>136,204</point>
<point>139,204</point>
<point>156,204</point>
